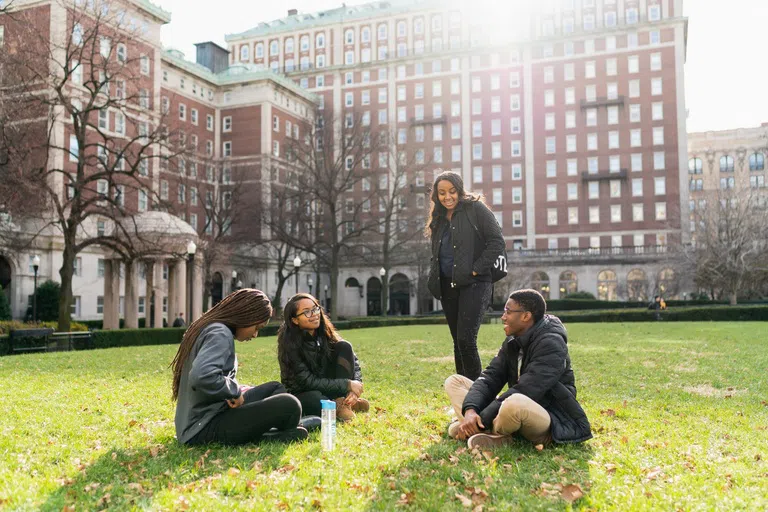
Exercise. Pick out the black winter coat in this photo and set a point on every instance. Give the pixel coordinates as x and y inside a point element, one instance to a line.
<point>472,251</point>
<point>309,369</point>
<point>546,377</point>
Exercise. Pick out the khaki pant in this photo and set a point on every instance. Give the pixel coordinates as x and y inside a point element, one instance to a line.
<point>517,413</point>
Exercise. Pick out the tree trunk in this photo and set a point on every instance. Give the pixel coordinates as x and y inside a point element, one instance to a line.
<point>732,298</point>
<point>65,292</point>
<point>334,287</point>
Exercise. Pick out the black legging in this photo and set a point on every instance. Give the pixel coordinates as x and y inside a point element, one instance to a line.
<point>464,308</point>
<point>266,406</point>
<point>344,368</point>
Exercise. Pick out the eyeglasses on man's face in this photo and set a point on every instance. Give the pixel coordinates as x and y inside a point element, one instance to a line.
<point>309,313</point>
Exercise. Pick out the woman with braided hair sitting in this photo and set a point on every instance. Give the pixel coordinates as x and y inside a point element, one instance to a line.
<point>211,405</point>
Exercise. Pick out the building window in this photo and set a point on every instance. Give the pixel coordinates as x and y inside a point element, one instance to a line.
<point>756,162</point>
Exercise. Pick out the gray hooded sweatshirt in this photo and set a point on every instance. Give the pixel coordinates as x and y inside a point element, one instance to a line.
<point>208,379</point>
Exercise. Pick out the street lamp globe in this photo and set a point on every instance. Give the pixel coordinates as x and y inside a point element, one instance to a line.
<point>297,262</point>
<point>191,248</point>
<point>310,282</point>
<point>382,271</point>
<point>36,261</point>
<point>234,274</point>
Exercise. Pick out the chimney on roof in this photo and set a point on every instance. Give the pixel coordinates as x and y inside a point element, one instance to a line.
<point>212,56</point>
<point>293,12</point>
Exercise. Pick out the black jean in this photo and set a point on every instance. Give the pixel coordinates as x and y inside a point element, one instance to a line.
<point>464,308</point>
<point>343,368</point>
<point>266,406</point>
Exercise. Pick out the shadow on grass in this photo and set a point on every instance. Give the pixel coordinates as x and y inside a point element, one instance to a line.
<point>447,476</point>
<point>138,478</point>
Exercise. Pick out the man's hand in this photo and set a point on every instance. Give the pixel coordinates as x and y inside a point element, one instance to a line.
<point>471,425</point>
<point>351,399</point>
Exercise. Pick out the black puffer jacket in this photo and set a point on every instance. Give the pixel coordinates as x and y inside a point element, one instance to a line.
<point>310,366</point>
<point>474,250</point>
<point>546,377</point>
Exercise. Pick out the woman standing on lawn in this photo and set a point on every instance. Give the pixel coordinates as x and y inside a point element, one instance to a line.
<point>315,363</point>
<point>463,252</point>
<point>212,406</point>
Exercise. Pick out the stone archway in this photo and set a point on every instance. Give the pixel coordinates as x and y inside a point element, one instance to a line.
<point>399,295</point>
<point>6,277</point>
<point>373,297</point>
<point>217,288</point>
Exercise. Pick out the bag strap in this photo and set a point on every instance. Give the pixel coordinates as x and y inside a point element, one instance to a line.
<point>472,217</point>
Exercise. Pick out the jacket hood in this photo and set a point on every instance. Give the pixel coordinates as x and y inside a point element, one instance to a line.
<point>549,324</point>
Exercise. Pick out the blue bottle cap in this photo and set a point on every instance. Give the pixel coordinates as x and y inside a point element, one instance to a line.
<point>327,404</point>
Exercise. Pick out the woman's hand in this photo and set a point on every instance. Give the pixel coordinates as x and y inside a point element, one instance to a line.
<point>474,273</point>
<point>355,386</point>
<point>234,403</point>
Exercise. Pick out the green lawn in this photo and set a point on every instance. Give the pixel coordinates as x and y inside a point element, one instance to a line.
<point>679,413</point>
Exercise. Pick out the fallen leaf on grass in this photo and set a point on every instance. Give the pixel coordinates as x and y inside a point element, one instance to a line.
<point>624,439</point>
<point>136,487</point>
<point>467,502</point>
<point>154,451</point>
<point>405,498</point>
<point>91,487</point>
<point>653,473</point>
<point>132,423</point>
<point>233,472</point>
<point>608,412</point>
<point>571,493</point>
<point>251,485</point>
<point>183,503</point>
<point>104,500</point>
<point>317,504</point>
<point>610,468</point>
<point>68,508</point>
<point>758,457</point>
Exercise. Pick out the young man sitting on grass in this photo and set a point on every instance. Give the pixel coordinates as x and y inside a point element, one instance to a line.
<point>540,404</point>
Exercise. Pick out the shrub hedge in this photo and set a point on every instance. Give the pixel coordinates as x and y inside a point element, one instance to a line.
<point>170,336</point>
<point>6,326</point>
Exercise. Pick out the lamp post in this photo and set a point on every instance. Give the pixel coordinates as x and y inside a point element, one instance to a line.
<point>297,266</point>
<point>326,297</point>
<point>310,282</point>
<point>234,280</point>
<point>383,274</point>
<point>35,267</point>
<point>191,250</point>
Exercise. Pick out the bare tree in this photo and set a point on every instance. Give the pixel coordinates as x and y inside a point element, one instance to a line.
<point>332,165</point>
<point>729,242</point>
<point>91,131</point>
<point>401,198</point>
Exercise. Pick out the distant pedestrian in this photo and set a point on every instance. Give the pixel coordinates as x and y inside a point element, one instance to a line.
<point>179,322</point>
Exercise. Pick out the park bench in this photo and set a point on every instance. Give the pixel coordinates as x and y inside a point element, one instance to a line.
<point>45,340</point>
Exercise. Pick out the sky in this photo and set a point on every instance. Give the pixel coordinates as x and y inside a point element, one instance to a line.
<point>725,75</point>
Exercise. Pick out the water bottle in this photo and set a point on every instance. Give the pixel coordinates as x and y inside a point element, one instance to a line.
<point>328,424</point>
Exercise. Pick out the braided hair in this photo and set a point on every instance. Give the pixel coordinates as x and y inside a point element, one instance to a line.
<point>242,308</point>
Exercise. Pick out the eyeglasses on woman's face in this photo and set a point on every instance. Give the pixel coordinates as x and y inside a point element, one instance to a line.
<point>309,313</point>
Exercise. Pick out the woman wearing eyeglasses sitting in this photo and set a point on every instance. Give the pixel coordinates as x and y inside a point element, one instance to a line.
<point>315,363</point>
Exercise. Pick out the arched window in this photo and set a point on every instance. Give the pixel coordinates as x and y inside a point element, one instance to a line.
<point>289,45</point>
<point>349,36</point>
<point>418,25</point>
<point>320,40</point>
<point>606,285</point>
<point>694,166</point>
<point>351,283</point>
<point>569,283</point>
<point>365,35</point>
<point>274,48</point>
<point>637,285</point>
<point>259,50</point>
<point>540,282</point>
<point>244,53</point>
<point>668,285</point>
<point>726,163</point>
<point>382,31</point>
<point>304,43</point>
<point>401,29</point>
<point>756,162</point>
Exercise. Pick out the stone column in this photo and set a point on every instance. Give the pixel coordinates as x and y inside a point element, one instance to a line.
<point>173,304</point>
<point>149,272</point>
<point>181,291</point>
<point>159,294</point>
<point>197,290</point>
<point>111,294</point>
<point>131,296</point>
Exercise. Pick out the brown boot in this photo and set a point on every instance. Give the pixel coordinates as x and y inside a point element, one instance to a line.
<point>343,411</point>
<point>361,405</point>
